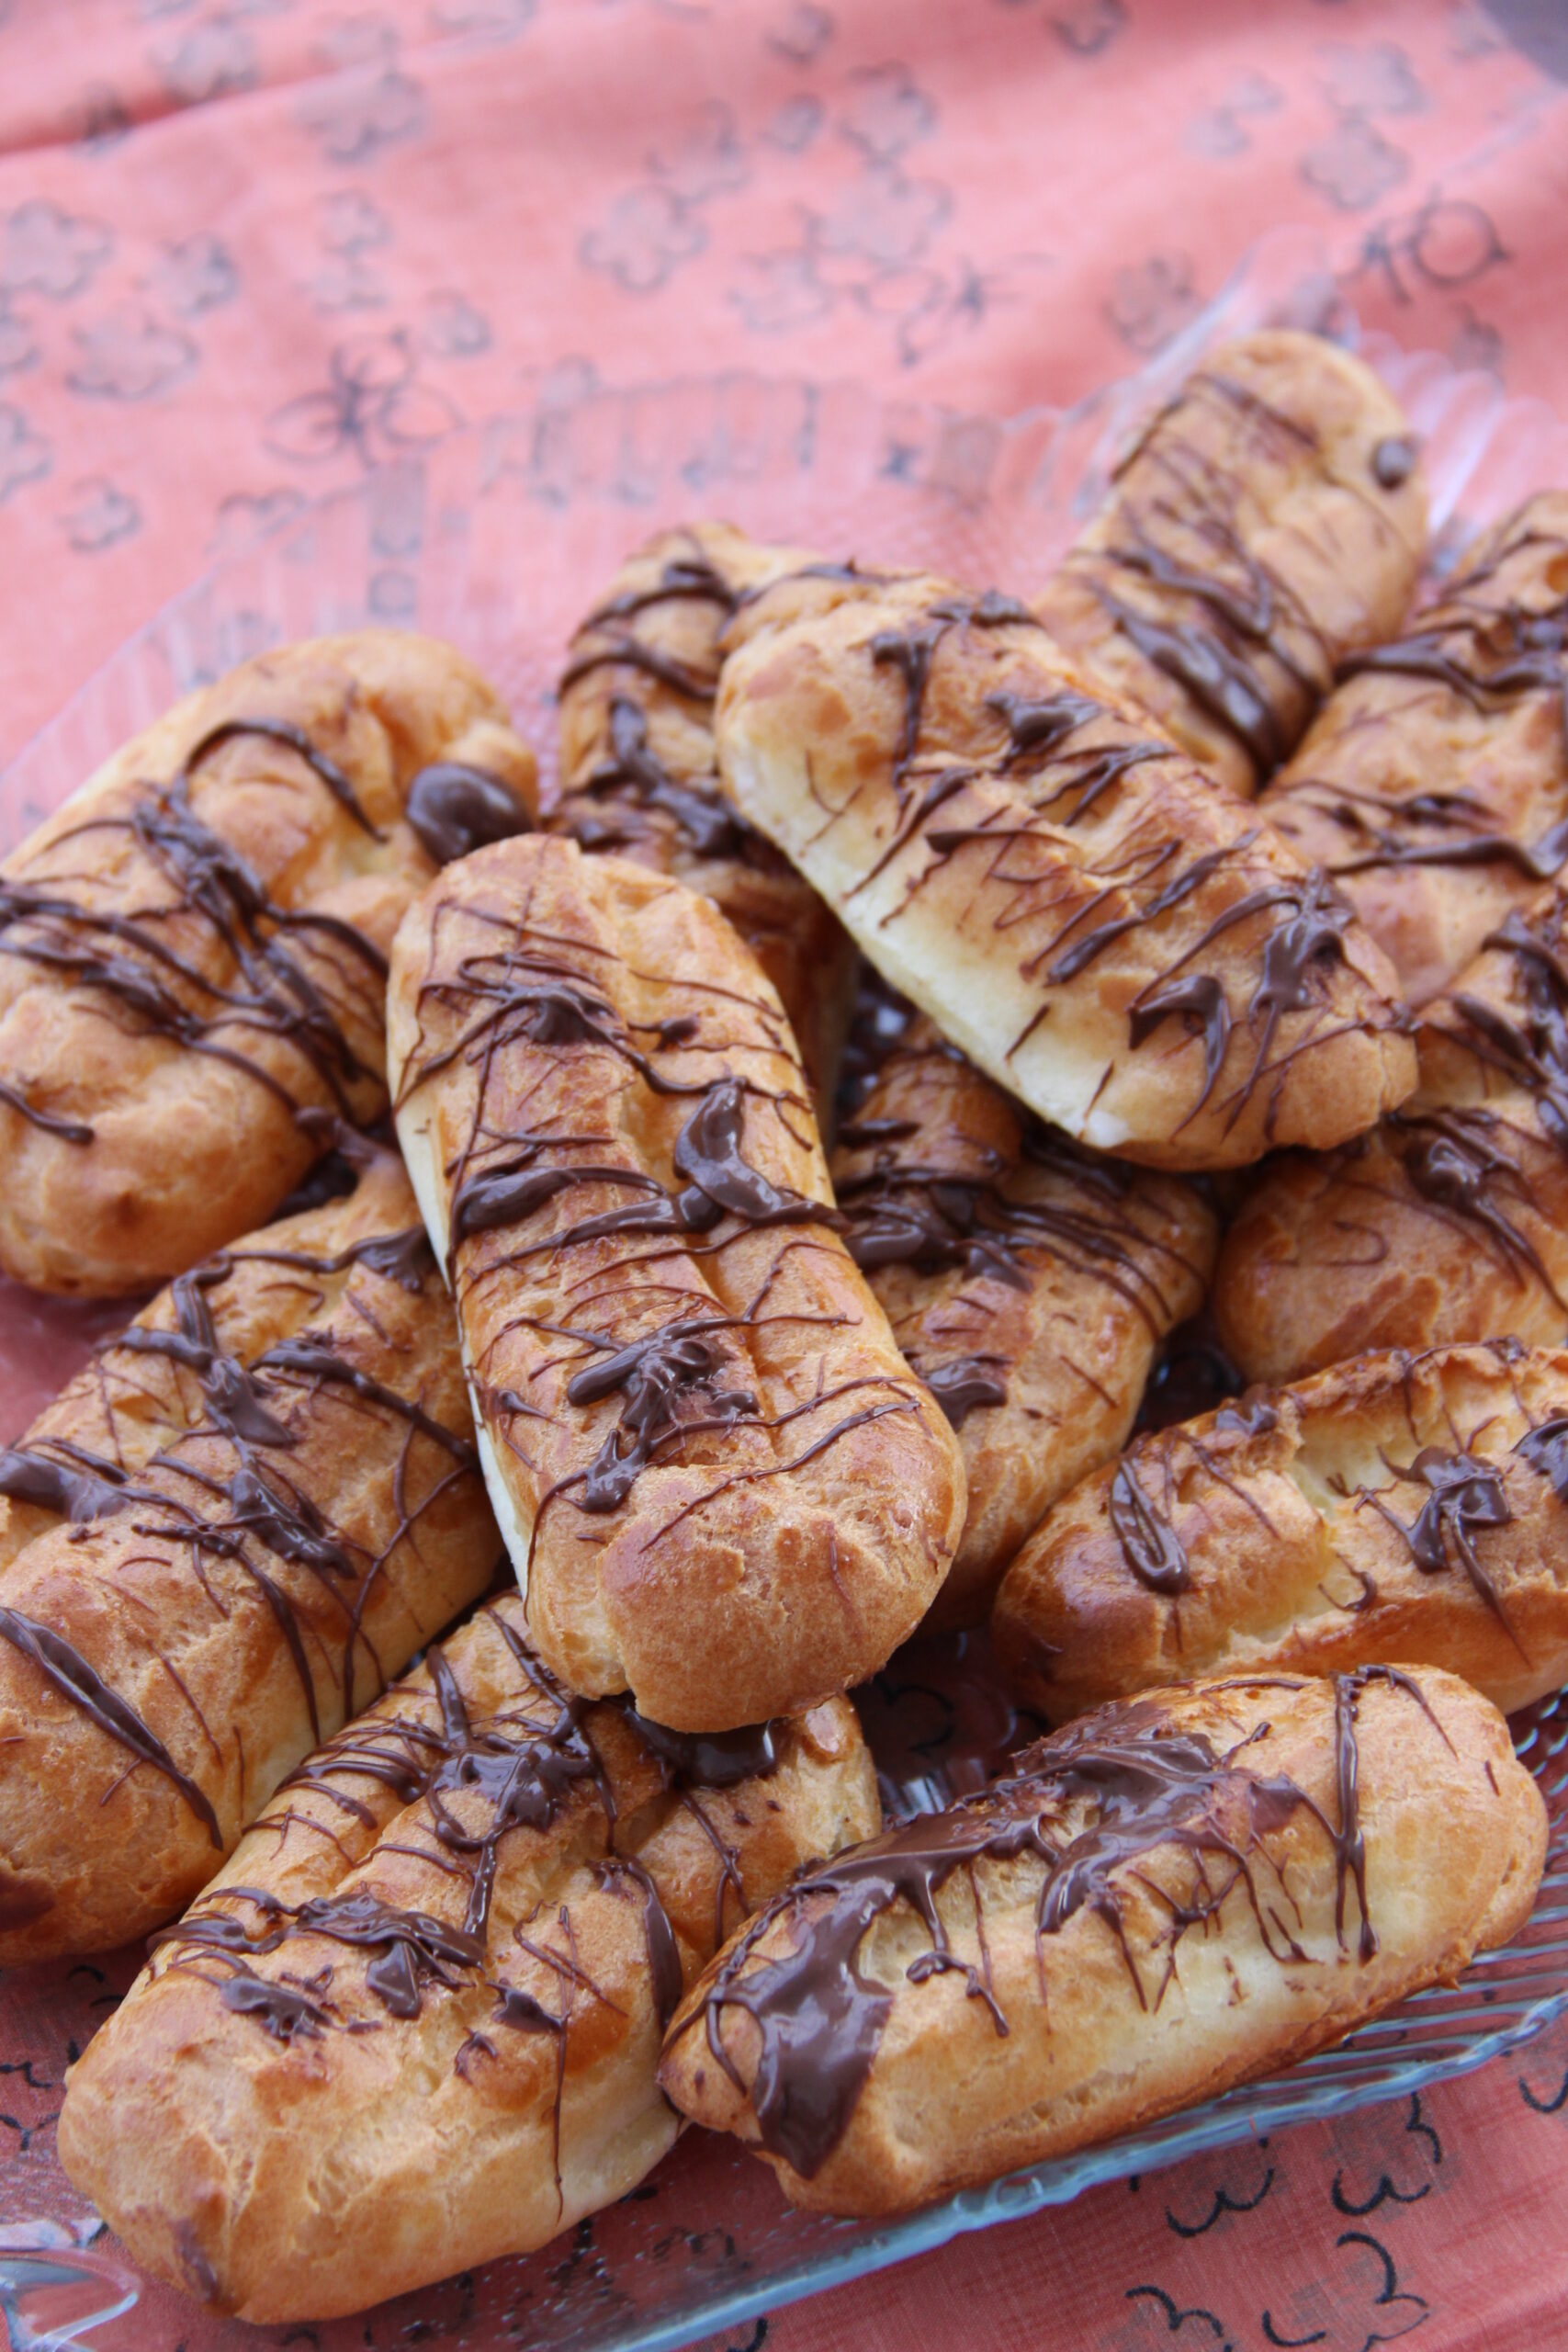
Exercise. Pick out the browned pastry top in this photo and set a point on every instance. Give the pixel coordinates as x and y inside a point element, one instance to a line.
<point>1163,1899</point>
<point>1028,1282</point>
<point>1450,1220</point>
<point>1434,784</point>
<point>713,1468</point>
<point>414,2024</point>
<point>1394,1506</point>
<point>639,775</point>
<point>195,945</point>
<point>218,1542</point>
<point>1268,522</point>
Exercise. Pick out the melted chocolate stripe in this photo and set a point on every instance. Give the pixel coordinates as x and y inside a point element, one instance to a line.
<point>68,1672</point>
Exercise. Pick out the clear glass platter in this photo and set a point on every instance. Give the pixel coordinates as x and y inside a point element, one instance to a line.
<point>498,538</point>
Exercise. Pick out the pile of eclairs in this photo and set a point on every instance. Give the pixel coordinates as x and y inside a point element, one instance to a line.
<point>1197,937</point>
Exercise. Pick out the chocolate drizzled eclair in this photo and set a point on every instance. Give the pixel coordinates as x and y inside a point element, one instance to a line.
<point>720,1482</point>
<point>222,1539</point>
<point>638,776</point>
<point>1434,783</point>
<point>1269,522</point>
<point>1450,1220</point>
<point>1028,1283</point>
<point>193,949</point>
<point>1066,894</point>
<point>414,2023</point>
<point>1396,1505</point>
<point>1165,1899</point>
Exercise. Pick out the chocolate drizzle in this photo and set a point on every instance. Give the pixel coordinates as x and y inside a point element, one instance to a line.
<point>905,1213</point>
<point>654,1374</point>
<point>67,1671</point>
<point>1393,461</point>
<point>1150,1544</point>
<point>965,1384</point>
<point>1546,1450</point>
<point>634,776</point>
<point>68,1130</point>
<point>524,1763</point>
<point>721,1183</point>
<point>80,1485</point>
<point>1136,1783</point>
<point>1497,634</point>
<point>1464,1496</point>
<point>1460,1162</point>
<point>453,809</point>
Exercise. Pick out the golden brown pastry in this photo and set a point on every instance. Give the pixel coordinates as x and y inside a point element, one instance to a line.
<point>1434,783</point>
<point>1397,1506</point>
<point>1165,1899</point>
<point>638,776</point>
<point>1028,1283</point>
<point>1269,521</point>
<point>193,949</point>
<point>719,1484</point>
<point>1068,897</point>
<point>222,1539</point>
<point>1450,1220</point>
<point>415,2022</point>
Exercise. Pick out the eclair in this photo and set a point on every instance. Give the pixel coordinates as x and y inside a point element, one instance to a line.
<point>1450,1221</point>
<point>1433,785</point>
<point>1027,1281</point>
<point>1268,523</point>
<point>1066,895</point>
<point>193,948</point>
<point>414,2024</point>
<point>720,1485</point>
<point>1396,1506</point>
<point>1167,1897</point>
<point>218,1542</point>
<point>638,776</point>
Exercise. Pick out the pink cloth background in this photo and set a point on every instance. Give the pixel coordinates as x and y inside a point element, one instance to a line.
<point>249,248</point>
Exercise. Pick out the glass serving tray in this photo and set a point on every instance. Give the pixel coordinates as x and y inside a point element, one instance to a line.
<point>499,538</point>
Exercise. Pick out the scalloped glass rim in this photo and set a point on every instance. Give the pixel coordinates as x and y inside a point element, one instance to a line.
<point>497,537</point>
